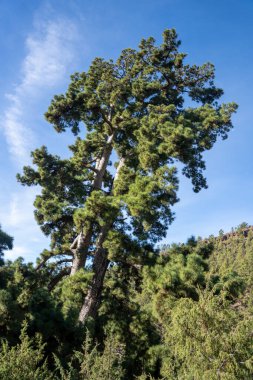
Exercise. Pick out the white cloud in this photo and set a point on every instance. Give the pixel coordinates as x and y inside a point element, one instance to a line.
<point>51,55</point>
<point>19,211</point>
<point>16,252</point>
<point>50,52</point>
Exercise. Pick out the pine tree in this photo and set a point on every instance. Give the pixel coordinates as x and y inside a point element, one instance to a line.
<point>129,114</point>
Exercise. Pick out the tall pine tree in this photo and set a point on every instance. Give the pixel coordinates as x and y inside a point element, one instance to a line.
<point>113,197</point>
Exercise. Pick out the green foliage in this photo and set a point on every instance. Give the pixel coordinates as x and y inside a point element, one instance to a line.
<point>6,242</point>
<point>179,272</point>
<point>234,254</point>
<point>208,340</point>
<point>24,361</point>
<point>181,314</point>
<point>24,296</point>
<point>121,314</point>
<point>99,208</point>
<point>92,364</point>
<point>70,293</point>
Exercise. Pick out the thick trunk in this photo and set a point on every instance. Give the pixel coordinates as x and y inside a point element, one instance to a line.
<point>78,263</point>
<point>100,265</point>
<point>80,254</point>
<point>92,300</point>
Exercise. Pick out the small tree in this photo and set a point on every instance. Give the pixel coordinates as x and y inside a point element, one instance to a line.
<point>129,113</point>
<point>25,361</point>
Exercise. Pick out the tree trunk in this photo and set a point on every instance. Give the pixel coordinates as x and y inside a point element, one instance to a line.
<point>80,254</point>
<point>92,300</point>
<point>100,265</point>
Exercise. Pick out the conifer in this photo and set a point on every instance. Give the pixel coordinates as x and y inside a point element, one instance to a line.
<point>133,128</point>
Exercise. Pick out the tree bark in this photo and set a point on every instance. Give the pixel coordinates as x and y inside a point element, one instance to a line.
<point>100,265</point>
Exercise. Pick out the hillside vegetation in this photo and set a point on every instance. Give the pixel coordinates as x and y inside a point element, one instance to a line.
<point>184,313</point>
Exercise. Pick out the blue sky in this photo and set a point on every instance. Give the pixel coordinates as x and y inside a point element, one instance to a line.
<point>43,42</point>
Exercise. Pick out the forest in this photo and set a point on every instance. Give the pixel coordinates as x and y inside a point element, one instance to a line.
<point>106,300</point>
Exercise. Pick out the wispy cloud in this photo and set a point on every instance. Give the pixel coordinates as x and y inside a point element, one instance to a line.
<point>50,52</point>
<point>19,211</point>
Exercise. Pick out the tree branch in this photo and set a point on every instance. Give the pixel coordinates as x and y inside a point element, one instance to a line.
<point>64,272</point>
